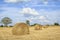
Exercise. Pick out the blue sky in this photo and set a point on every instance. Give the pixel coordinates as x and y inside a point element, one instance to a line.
<point>36,11</point>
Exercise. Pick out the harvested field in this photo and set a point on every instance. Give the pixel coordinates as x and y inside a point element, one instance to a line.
<point>50,33</point>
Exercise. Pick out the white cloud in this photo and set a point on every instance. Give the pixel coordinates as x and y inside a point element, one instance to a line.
<point>29,11</point>
<point>45,2</point>
<point>42,17</point>
<point>12,13</point>
<point>10,1</point>
<point>14,1</point>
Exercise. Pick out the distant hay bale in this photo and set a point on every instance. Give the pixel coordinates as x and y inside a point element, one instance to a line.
<point>20,29</point>
<point>45,26</point>
<point>38,27</point>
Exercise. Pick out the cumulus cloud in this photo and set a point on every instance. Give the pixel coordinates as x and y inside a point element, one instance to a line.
<point>45,2</point>
<point>12,13</point>
<point>39,18</point>
<point>42,17</point>
<point>29,11</point>
<point>14,1</point>
<point>10,1</point>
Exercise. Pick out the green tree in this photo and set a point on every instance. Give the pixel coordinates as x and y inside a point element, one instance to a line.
<point>6,21</point>
<point>28,22</point>
<point>56,24</point>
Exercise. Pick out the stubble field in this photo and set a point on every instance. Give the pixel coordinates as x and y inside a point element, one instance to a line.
<point>50,33</point>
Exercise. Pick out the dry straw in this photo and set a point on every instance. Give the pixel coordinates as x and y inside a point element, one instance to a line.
<point>20,29</point>
<point>1,38</point>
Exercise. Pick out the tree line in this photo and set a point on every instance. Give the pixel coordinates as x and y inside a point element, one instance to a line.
<point>6,20</point>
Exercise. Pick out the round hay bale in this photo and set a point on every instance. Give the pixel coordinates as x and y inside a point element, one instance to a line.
<point>38,27</point>
<point>20,29</point>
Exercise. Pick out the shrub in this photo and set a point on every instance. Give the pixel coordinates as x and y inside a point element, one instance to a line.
<point>1,26</point>
<point>11,26</point>
<point>57,24</point>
